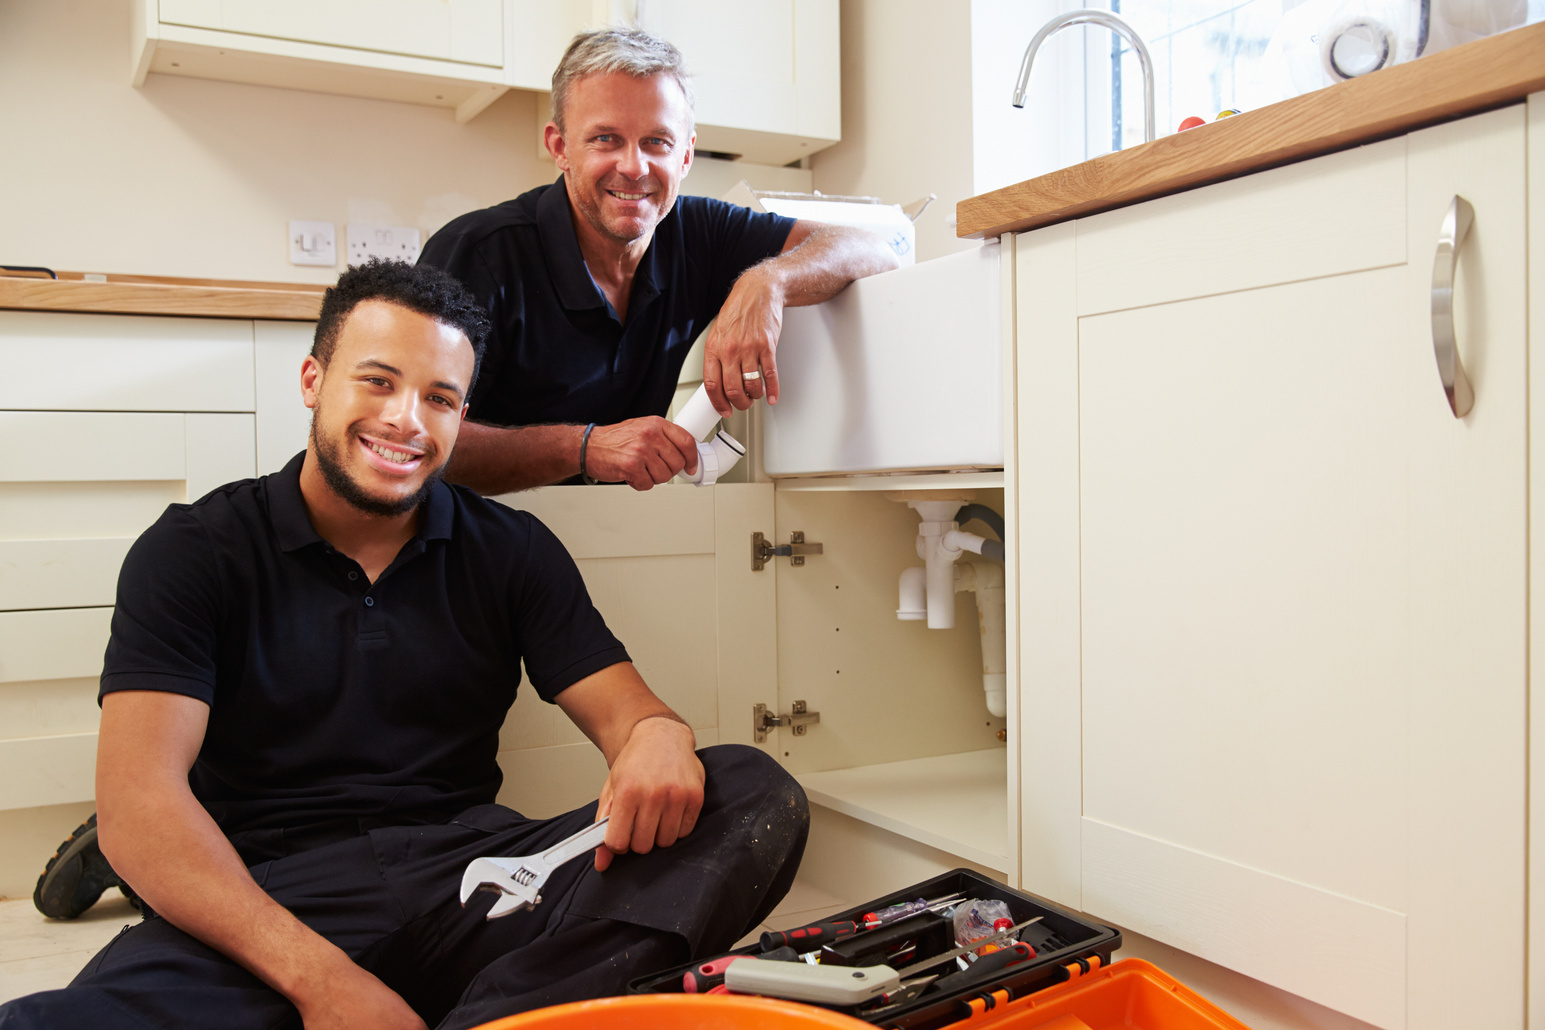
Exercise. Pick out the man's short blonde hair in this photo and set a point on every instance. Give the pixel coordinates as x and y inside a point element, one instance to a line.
<point>606,51</point>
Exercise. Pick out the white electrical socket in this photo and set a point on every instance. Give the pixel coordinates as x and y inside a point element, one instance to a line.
<point>313,243</point>
<point>391,242</point>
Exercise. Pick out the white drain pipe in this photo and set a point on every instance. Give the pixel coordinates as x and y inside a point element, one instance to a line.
<point>986,580</point>
<point>717,456</point>
<point>928,592</point>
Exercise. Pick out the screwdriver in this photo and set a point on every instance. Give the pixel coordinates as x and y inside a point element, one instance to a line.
<point>891,913</point>
<point>809,938</point>
<point>986,966</point>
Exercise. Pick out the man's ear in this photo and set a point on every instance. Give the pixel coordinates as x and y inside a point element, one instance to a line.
<point>552,138</point>
<point>686,159</point>
<point>310,380</point>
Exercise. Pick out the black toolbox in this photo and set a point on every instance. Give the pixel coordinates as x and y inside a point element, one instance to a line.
<point>1061,940</point>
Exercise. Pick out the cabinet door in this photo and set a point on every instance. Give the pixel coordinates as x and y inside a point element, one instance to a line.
<point>1291,649</point>
<point>283,420</point>
<point>468,31</point>
<point>669,569</point>
<point>766,74</point>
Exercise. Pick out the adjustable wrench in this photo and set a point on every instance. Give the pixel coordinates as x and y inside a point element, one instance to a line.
<point>518,881</point>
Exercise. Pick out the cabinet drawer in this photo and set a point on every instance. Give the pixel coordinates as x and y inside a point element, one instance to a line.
<point>72,362</point>
<point>60,644</point>
<point>204,449</point>
<point>469,31</point>
<point>71,446</point>
<point>48,770</point>
<point>1340,213</point>
<point>60,573</point>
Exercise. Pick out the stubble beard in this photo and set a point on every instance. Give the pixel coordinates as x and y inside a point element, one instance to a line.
<point>337,478</point>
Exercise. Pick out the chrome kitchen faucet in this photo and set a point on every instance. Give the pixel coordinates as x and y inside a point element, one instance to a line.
<point>1116,25</point>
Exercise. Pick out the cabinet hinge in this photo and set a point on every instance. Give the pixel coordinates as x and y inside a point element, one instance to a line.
<point>795,550</point>
<point>798,720</point>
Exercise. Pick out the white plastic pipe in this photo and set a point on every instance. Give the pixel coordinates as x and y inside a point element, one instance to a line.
<point>930,591</point>
<point>986,581</point>
<point>938,559</point>
<point>717,456</point>
<point>913,606</point>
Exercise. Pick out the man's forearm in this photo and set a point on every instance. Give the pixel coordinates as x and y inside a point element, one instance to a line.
<point>494,460</point>
<point>188,872</point>
<point>823,264</point>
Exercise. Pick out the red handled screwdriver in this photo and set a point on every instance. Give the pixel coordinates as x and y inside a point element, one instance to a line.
<point>705,976</point>
<point>809,938</point>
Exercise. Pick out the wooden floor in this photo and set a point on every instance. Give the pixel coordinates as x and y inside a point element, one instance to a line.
<point>38,954</point>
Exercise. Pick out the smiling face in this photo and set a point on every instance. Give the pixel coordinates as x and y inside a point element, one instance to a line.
<point>627,146</point>
<point>386,409</point>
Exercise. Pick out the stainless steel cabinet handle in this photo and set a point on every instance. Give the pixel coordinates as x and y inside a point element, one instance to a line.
<point>1456,385</point>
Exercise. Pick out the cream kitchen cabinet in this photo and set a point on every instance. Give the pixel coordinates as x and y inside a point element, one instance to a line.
<point>1274,594</point>
<point>461,54</point>
<point>767,74</point>
<point>110,418</point>
<point>905,766</point>
<point>772,101</point>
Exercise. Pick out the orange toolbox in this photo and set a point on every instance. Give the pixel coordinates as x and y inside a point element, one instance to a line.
<point>1053,969</point>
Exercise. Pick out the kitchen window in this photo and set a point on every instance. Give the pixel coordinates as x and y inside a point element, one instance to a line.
<point>1212,55</point>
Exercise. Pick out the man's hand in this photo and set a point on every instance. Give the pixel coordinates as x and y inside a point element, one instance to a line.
<point>742,340</point>
<point>654,792</point>
<point>655,789</point>
<point>641,452</point>
<point>817,262</point>
<point>352,998</point>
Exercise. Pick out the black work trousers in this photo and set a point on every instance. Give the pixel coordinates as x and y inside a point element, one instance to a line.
<point>389,898</point>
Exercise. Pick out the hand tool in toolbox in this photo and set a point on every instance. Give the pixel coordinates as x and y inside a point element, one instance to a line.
<point>843,985</point>
<point>705,976</point>
<point>808,938</point>
<point>518,881</point>
<point>891,913</point>
<point>923,934</point>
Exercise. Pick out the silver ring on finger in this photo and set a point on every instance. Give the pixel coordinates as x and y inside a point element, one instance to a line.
<point>751,377</point>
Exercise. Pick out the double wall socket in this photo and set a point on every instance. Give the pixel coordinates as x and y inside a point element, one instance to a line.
<point>313,243</point>
<point>391,242</point>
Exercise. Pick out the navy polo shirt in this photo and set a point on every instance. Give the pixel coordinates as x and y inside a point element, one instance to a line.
<point>334,700</point>
<point>558,352</point>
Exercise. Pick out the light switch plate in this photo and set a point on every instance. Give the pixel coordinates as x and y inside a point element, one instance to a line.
<point>313,243</point>
<point>391,242</point>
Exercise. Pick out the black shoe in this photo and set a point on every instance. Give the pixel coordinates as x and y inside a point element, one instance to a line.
<point>76,876</point>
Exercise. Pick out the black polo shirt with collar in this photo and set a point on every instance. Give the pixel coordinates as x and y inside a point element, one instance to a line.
<point>558,352</point>
<point>332,699</point>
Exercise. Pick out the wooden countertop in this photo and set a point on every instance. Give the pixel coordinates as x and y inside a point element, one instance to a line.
<point>150,295</point>
<point>1468,79</point>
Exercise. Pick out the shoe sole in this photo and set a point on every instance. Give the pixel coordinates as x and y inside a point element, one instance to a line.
<point>72,882</point>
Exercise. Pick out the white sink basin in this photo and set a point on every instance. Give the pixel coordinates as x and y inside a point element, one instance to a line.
<point>899,372</point>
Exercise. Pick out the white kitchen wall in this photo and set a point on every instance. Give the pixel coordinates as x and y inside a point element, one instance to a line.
<point>906,112</point>
<point>189,177</point>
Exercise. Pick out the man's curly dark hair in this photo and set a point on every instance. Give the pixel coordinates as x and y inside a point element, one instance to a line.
<point>421,288</point>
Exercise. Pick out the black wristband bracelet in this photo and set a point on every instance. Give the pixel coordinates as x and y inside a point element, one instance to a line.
<point>584,445</point>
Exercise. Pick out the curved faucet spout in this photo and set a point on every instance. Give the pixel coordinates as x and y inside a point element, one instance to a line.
<point>1116,25</point>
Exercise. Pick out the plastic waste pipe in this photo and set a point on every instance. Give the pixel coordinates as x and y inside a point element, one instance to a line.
<point>987,582</point>
<point>929,592</point>
<point>715,457</point>
<point>914,595</point>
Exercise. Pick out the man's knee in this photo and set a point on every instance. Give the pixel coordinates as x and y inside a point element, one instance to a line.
<point>768,801</point>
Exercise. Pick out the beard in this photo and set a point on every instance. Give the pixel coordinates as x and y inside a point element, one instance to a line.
<point>337,478</point>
